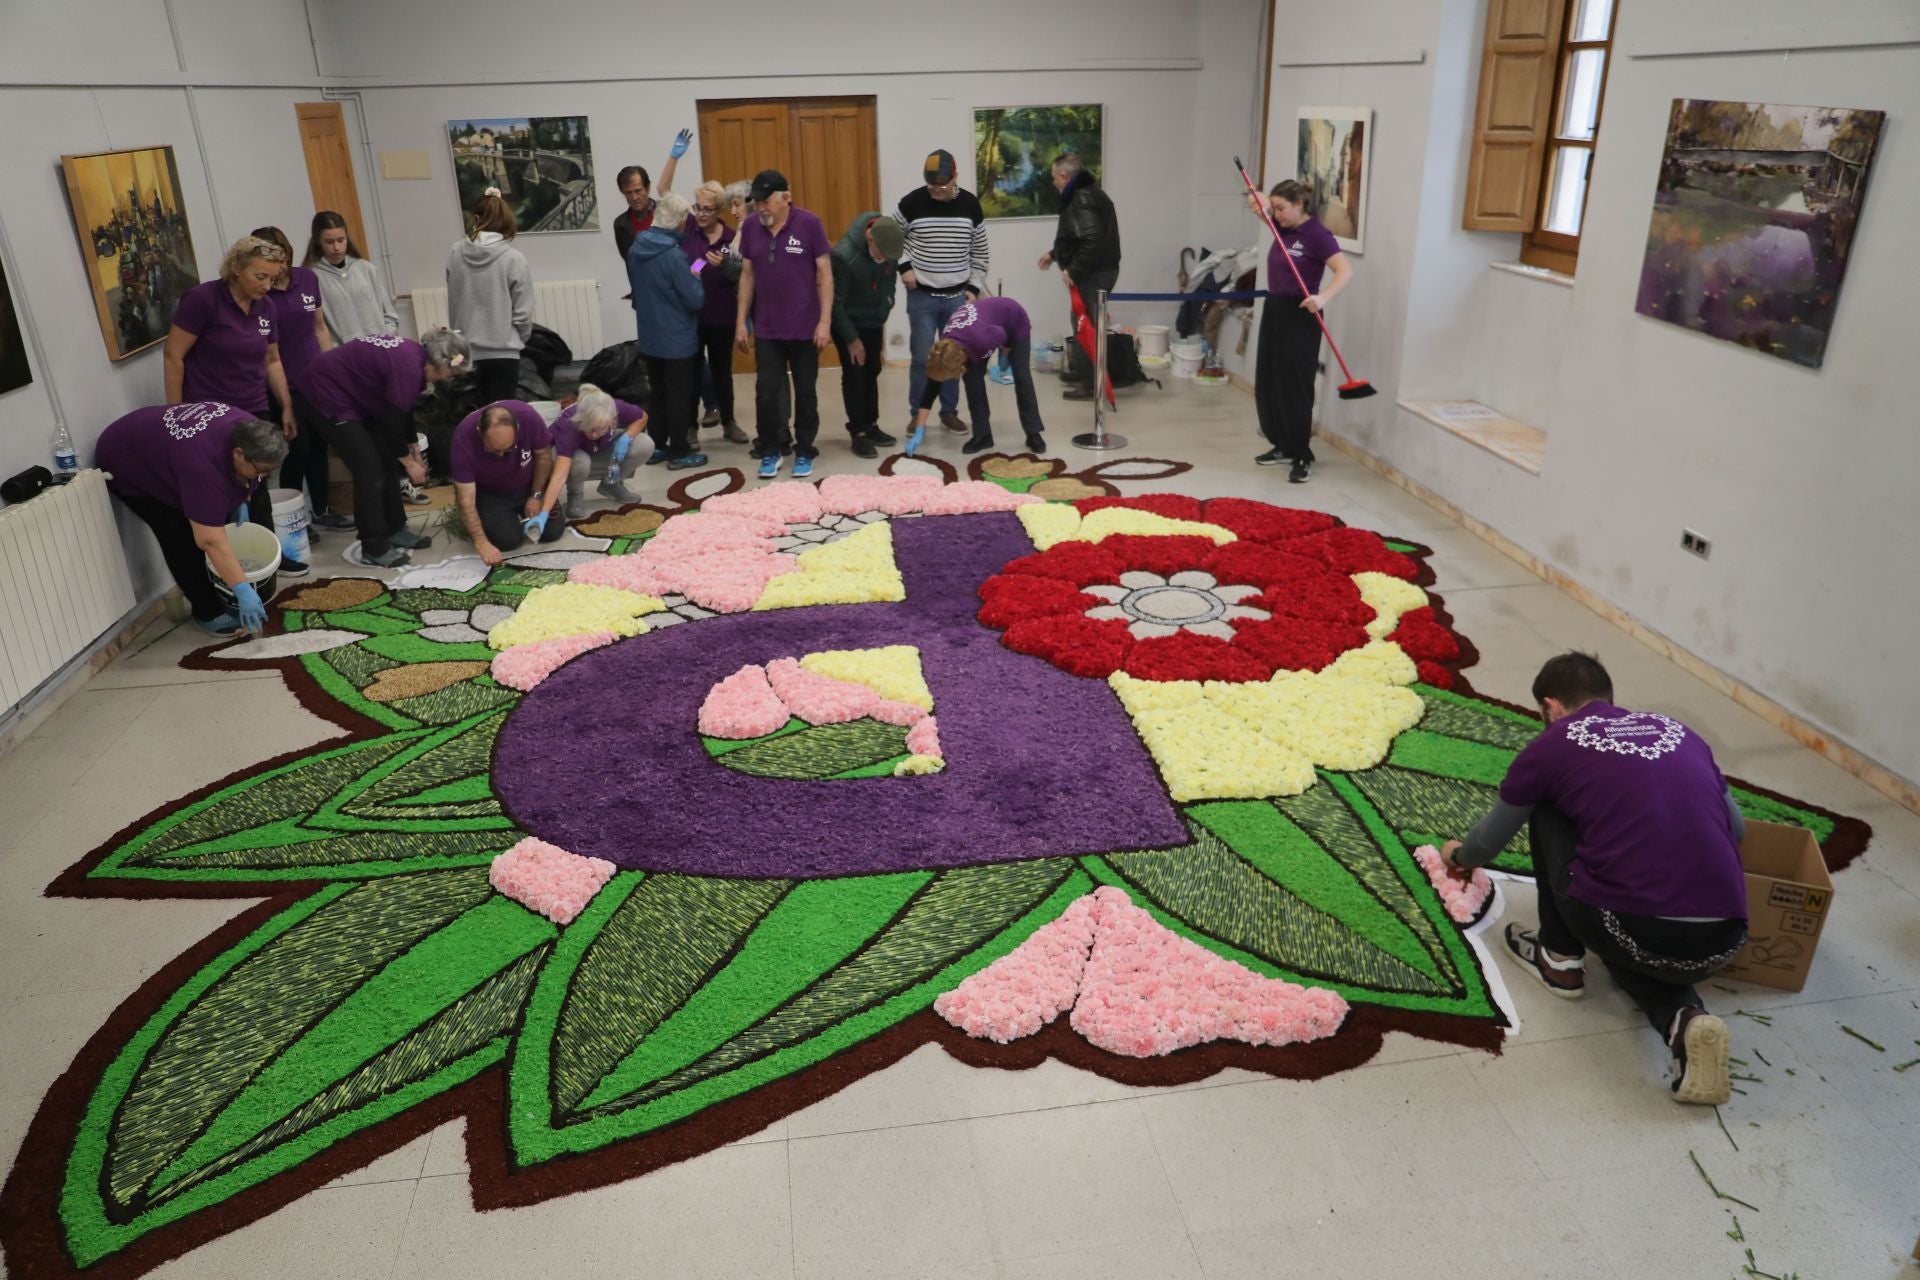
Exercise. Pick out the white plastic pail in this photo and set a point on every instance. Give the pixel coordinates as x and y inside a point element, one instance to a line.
<point>290,522</point>
<point>1151,339</point>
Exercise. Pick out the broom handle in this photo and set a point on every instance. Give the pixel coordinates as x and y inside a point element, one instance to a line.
<point>1286,257</point>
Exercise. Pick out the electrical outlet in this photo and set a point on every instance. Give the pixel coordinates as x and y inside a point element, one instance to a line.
<point>1696,543</point>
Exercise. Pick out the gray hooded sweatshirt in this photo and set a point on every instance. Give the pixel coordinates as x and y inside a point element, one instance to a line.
<point>353,300</point>
<point>490,296</point>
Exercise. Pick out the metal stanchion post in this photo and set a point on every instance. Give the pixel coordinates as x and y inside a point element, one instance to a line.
<point>1099,439</point>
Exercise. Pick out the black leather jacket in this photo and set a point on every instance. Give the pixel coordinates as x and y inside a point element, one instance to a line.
<point>1088,238</point>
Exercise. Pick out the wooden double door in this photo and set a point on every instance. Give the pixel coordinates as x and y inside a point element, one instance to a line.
<point>828,148</point>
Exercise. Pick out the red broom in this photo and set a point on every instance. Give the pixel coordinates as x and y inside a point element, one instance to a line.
<point>1353,388</point>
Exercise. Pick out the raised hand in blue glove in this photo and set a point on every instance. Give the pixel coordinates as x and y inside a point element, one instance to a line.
<point>537,525</point>
<point>680,141</point>
<point>621,445</point>
<point>253,614</point>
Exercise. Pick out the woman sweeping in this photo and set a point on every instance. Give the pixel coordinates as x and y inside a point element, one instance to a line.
<point>1289,358</point>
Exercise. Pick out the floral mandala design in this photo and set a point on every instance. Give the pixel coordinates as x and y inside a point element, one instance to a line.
<point>607,979</point>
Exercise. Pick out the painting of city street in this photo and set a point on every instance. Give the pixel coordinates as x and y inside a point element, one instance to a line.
<point>543,166</point>
<point>134,240</point>
<point>1754,220</point>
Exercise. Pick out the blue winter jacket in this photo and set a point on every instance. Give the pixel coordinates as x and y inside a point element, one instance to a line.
<point>666,295</point>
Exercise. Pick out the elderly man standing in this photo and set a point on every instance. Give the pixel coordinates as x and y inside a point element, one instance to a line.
<point>786,285</point>
<point>863,276</point>
<point>1086,247</point>
<point>945,262</point>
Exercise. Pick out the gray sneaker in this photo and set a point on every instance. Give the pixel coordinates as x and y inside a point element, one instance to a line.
<point>615,489</point>
<point>408,540</point>
<point>577,503</point>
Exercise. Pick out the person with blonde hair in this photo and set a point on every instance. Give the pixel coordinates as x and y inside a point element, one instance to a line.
<point>667,297</point>
<point>593,424</point>
<point>709,239</point>
<point>971,337</point>
<point>490,296</point>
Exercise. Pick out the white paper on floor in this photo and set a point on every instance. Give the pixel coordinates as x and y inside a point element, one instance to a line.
<point>291,645</point>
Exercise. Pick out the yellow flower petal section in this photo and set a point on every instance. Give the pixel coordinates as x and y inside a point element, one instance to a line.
<point>892,671</point>
<point>1207,753</point>
<point>1381,661</point>
<point>573,609</point>
<point>1048,523</point>
<point>1336,722</point>
<point>915,766</point>
<point>1390,597</point>
<point>1108,521</point>
<point>856,570</point>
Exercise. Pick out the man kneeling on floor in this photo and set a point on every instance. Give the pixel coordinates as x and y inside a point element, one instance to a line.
<point>1636,853</point>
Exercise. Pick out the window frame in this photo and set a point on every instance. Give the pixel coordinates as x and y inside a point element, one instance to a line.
<point>1556,250</point>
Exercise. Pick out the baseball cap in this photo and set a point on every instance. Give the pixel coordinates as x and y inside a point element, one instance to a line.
<point>766,183</point>
<point>889,237</point>
<point>940,167</point>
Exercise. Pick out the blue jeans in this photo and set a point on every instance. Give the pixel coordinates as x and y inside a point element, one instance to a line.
<point>927,315</point>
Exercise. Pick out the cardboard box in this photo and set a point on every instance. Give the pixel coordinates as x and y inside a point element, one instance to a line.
<point>1788,895</point>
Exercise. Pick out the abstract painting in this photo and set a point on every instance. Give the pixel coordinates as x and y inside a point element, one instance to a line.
<point>135,241</point>
<point>1754,219</point>
<point>1332,162</point>
<point>1014,149</point>
<point>14,372</point>
<point>542,165</point>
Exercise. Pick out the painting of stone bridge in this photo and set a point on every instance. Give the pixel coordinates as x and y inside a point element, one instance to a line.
<point>543,166</point>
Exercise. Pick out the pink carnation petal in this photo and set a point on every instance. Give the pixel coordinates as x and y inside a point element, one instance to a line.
<point>1464,900</point>
<point>1028,987</point>
<point>924,739</point>
<point>742,706</point>
<point>819,699</point>
<point>525,665</point>
<point>968,496</point>
<point>905,714</point>
<point>546,878</point>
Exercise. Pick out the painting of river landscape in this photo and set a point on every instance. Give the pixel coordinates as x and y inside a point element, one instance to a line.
<point>1754,222</point>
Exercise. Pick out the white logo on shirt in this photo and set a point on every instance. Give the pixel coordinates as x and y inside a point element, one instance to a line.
<point>794,245</point>
<point>387,341</point>
<point>526,456</point>
<point>1638,733</point>
<point>309,300</point>
<point>185,421</point>
<point>962,318</point>
<point>266,327</point>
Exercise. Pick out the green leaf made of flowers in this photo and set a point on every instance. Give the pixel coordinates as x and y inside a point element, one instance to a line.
<point>340,1011</point>
<point>760,990</point>
<point>821,751</point>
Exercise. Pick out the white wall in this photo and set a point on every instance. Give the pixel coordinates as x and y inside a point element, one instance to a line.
<point>1797,475</point>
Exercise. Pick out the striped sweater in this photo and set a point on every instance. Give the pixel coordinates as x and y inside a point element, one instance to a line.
<point>946,240</point>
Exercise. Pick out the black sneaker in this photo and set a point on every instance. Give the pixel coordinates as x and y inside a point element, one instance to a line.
<point>1271,458</point>
<point>863,448</point>
<point>333,520</point>
<point>1299,473</point>
<point>1698,1043</point>
<point>291,568</point>
<point>1036,443</point>
<point>976,445</point>
<point>1076,393</point>
<point>881,438</point>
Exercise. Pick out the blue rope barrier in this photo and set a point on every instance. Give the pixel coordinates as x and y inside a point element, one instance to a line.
<point>1185,297</point>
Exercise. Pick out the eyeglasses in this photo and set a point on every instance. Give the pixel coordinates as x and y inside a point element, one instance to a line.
<point>706,208</point>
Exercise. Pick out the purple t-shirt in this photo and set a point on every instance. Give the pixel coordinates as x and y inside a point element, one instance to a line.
<point>568,440</point>
<point>179,454</point>
<point>1311,245</point>
<point>985,325</point>
<point>509,472</point>
<point>228,363</point>
<point>1650,806</point>
<point>722,298</point>
<point>786,287</point>
<point>293,312</point>
<point>360,380</point>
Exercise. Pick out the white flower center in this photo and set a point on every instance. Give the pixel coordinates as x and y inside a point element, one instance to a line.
<point>1178,605</point>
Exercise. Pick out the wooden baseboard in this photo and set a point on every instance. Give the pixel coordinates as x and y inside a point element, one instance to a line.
<point>1902,791</point>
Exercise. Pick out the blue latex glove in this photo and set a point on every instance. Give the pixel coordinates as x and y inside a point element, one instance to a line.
<point>680,141</point>
<point>914,438</point>
<point>253,614</point>
<point>537,525</point>
<point>621,445</point>
<point>240,514</point>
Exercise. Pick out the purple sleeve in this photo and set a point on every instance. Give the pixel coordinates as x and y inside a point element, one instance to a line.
<point>194,311</point>
<point>1319,241</point>
<point>1526,782</point>
<point>817,243</point>
<point>628,413</point>
<point>460,451</point>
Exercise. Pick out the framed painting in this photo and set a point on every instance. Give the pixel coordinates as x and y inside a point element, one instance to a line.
<point>541,165</point>
<point>134,240</point>
<point>1014,149</point>
<point>1754,217</point>
<point>1334,146</point>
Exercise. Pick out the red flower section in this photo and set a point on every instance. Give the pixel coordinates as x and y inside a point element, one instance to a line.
<point>1420,634</point>
<point>1174,506</point>
<point>1355,551</point>
<point>1159,555</point>
<point>1294,644</point>
<point>1012,598</point>
<point>1080,563</point>
<point>1258,522</point>
<point>1190,657</point>
<point>1434,674</point>
<point>1072,642</point>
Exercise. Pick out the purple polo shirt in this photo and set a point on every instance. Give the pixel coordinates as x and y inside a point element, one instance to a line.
<point>568,440</point>
<point>985,325</point>
<point>511,472</point>
<point>1650,806</point>
<point>721,303</point>
<point>358,381</point>
<point>178,454</point>
<point>293,310</point>
<point>786,287</point>
<point>228,363</point>
<point>1311,245</point>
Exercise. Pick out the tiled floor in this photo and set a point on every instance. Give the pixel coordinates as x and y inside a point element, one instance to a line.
<point>1561,1157</point>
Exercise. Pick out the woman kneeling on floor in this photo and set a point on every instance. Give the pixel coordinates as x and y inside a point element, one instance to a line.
<point>502,458</point>
<point>583,429</point>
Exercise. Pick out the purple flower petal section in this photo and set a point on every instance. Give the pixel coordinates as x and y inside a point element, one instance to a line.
<point>603,758</point>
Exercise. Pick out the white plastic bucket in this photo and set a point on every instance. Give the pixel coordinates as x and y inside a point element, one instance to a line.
<point>290,522</point>
<point>1156,364</point>
<point>1186,363</point>
<point>1151,339</point>
<point>258,549</point>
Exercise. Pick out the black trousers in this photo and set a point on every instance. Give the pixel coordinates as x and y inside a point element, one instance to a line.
<point>185,560</point>
<point>716,361</point>
<point>675,384</point>
<point>306,464</point>
<point>378,511</point>
<point>503,516</point>
<point>1024,396</point>
<point>1655,961</point>
<point>1283,376</point>
<point>497,379</point>
<point>777,360</point>
<point>860,383</point>
<point>1091,285</point>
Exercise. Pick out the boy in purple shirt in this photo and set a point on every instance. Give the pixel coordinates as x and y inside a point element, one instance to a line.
<point>972,334</point>
<point>501,457</point>
<point>786,285</point>
<point>1635,840</point>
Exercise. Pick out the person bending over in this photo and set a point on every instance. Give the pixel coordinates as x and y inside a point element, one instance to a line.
<point>1636,857</point>
<point>585,428</point>
<point>501,458</point>
<point>863,292</point>
<point>976,331</point>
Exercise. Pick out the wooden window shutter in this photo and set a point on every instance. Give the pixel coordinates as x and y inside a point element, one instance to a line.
<point>1511,123</point>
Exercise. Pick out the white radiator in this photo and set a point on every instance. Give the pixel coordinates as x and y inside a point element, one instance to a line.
<point>63,581</point>
<point>571,308</point>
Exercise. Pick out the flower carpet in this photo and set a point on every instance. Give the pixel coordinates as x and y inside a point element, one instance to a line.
<point>627,851</point>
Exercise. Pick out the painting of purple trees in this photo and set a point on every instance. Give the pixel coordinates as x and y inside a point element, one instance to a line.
<point>1754,220</point>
